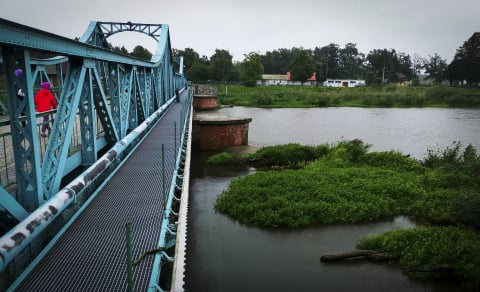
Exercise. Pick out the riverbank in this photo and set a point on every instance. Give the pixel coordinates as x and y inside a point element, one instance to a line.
<point>381,96</point>
<point>345,184</point>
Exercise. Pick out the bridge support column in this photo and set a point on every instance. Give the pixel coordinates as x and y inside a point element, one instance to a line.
<point>212,131</point>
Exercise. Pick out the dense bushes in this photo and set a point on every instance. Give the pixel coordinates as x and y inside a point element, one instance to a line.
<point>344,183</point>
<point>341,187</point>
<point>354,185</point>
<point>288,155</point>
<point>222,158</point>
<point>428,252</point>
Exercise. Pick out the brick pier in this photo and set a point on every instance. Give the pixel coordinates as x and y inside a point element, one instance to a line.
<point>214,131</point>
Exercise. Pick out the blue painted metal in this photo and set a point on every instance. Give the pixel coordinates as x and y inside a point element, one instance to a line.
<point>15,240</point>
<point>25,142</point>
<point>168,233</point>
<point>109,96</point>
<point>23,36</point>
<point>98,32</point>
<point>9,203</point>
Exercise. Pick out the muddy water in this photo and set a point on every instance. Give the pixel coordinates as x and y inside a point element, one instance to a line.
<point>223,255</point>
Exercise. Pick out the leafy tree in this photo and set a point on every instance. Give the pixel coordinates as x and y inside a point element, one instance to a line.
<point>234,73</point>
<point>198,72</point>
<point>454,72</point>
<point>277,61</point>
<point>302,66</point>
<point>141,53</point>
<point>466,63</point>
<point>252,69</point>
<point>117,49</point>
<point>327,60</point>
<point>350,62</point>
<point>418,63</point>
<point>189,57</point>
<point>436,68</point>
<point>382,64</point>
<point>404,64</point>
<point>221,64</point>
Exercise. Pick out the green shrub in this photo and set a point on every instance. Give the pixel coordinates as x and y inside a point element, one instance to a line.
<point>288,155</point>
<point>262,100</point>
<point>466,208</point>
<point>393,160</point>
<point>438,94</point>
<point>386,101</point>
<point>456,100</point>
<point>411,99</point>
<point>421,250</point>
<point>323,102</point>
<point>455,158</point>
<point>221,158</point>
<point>354,150</point>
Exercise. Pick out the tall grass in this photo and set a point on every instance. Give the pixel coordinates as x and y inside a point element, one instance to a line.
<point>387,96</point>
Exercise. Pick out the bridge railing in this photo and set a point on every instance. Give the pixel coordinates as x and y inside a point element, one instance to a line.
<point>102,97</point>
<point>101,89</point>
<point>7,165</point>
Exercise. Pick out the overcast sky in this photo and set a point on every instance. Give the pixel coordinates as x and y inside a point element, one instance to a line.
<point>422,27</point>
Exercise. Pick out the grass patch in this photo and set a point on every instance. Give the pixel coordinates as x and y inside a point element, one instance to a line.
<point>313,96</point>
<point>222,158</point>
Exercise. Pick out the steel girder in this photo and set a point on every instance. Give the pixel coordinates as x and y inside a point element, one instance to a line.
<point>125,100</point>
<point>62,131</point>
<point>25,142</point>
<point>102,91</point>
<point>98,32</point>
<point>136,88</point>
<point>23,36</point>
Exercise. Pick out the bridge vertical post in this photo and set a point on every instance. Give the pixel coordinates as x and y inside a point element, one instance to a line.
<point>128,234</point>
<point>175,135</point>
<point>164,178</point>
<point>25,141</point>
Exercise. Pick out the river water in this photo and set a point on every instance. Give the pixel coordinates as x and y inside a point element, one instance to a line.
<point>223,255</point>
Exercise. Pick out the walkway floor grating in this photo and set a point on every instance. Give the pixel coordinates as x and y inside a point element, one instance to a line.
<point>91,255</point>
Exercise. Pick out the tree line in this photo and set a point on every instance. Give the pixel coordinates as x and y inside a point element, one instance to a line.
<point>379,66</point>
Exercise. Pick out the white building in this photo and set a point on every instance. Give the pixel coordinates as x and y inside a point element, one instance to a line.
<point>278,79</point>
<point>344,83</point>
<point>273,79</point>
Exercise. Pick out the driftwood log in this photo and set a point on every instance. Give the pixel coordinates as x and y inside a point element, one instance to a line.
<point>375,256</point>
<point>359,254</point>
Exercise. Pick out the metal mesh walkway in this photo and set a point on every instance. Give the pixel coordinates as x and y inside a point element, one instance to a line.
<point>91,255</point>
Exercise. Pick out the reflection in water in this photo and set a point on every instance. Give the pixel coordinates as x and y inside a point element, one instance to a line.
<point>223,255</point>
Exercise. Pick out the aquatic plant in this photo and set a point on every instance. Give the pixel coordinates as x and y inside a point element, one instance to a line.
<point>432,252</point>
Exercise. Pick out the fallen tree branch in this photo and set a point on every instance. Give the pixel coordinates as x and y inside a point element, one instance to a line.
<point>359,254</point>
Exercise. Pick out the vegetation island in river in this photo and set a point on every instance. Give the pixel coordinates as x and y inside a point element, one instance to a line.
<point>297,186</point>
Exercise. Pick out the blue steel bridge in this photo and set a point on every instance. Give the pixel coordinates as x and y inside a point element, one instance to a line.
<point>100,203</point>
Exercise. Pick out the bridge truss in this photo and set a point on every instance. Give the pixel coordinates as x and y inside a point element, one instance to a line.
<point>103,96</point>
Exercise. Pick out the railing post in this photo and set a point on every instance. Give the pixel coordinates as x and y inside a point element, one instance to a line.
<point>175,136</point>
<point>128,233</point>
<point>164,178</point>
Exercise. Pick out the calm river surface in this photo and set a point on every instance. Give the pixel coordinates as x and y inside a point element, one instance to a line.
<point>223,255</point>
